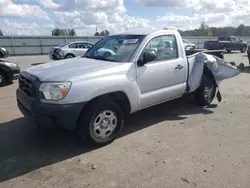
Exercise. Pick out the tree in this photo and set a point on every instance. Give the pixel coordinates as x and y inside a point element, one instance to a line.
<point>97,34</point>
<point>204,29</point>
<point>71,32</point>
<point>63,32</point>
<point>240,30</point>
<point>102,33</point>
<point>1,33</point>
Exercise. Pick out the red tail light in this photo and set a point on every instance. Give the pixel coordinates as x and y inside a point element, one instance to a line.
<point>218,43</point>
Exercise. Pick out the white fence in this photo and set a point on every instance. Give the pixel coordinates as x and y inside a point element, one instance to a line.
<point>33,45</point>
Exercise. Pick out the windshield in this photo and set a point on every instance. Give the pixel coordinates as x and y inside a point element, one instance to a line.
<point>62,45</point>
<point>118,48</point>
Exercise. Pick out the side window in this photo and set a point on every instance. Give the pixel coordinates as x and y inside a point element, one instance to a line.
<point>233,39</point>
<point>80,45</point>
<point>165,48</point>
<point>87,45</point>
<point>73,45</point>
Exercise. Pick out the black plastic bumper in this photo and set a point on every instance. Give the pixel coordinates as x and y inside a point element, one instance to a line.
<point>48,115</point>
<point>14,74</point>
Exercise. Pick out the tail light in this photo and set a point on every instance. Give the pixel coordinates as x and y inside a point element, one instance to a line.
<point>217,43</point>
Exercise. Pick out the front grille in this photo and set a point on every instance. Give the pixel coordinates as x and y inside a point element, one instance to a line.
<point>26,86</point>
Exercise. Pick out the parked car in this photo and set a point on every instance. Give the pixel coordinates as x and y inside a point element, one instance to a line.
<point>75,49</point>
<point>70,50</point>
<point>4,52</point>
<point>8,71</point>
<point>227,43</point>
<point>94,93</point>
<point>188,45</point>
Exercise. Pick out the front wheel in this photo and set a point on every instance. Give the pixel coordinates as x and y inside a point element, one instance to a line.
<point>205,94</point>
<point>2,79</point>
<point>101,122</point>
<point>69,56</point>
<point>243,49</point>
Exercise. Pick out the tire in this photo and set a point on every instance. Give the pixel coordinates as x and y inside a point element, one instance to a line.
<point>69,56</point>
<point>109,120</point>
<point>243,49</point>
<point>2,79</point>
<point>205,94</point>
<point>1,55</point>
<point>107,54</point>
<point>226,49</point>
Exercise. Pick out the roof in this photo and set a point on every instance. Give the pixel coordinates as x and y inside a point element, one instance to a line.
<point>84,41</point>
<point>145,31</point>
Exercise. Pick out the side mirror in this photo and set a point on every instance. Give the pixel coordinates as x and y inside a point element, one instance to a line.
<point>146,58</point>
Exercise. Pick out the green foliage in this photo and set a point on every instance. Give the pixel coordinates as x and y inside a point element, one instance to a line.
<point>102,33</point>
<point>24,44</point>
<point>205,30</point>
<point>63,32</point>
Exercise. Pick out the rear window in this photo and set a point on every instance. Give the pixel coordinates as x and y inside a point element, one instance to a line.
<point>224,38</point>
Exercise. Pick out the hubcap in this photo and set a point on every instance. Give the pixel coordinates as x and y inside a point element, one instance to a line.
<point>69,56</point>
<point>105,124</point>
<point>208,92</point>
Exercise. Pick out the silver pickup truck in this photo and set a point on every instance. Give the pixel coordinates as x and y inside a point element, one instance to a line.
<point>94,93</point>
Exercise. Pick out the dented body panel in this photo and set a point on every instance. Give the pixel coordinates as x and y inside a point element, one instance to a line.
<point>220,69</point>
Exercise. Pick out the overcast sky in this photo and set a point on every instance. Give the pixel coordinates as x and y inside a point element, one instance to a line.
<point>39,17</point>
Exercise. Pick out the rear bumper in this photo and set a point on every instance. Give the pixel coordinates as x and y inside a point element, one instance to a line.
<point>55,56</point>
<point>5,53</point>
<point>48,115</point>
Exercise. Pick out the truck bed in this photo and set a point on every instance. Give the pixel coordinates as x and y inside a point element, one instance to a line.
<point>218,53</point>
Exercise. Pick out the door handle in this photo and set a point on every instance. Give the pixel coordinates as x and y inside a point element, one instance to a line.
<point>178,67</point>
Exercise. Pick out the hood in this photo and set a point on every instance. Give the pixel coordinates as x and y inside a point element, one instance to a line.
<point>68,68</point>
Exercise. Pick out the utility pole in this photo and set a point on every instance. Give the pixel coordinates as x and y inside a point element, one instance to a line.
<point>125,22</point>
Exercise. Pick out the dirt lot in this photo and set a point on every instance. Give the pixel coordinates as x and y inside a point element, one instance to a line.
<point>176,144</point>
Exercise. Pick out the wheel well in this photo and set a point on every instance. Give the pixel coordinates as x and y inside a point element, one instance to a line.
<point>119,97</point>
<point>209,72</point>
<point>69,54</point>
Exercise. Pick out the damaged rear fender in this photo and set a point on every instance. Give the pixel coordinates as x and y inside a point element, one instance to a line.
<point>218,68</point>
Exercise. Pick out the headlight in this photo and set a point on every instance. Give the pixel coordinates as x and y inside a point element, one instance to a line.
<point>55,91</point>
<point>12,65</point>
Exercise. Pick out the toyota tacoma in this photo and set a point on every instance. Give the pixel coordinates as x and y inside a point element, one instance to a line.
<point>94,93</point>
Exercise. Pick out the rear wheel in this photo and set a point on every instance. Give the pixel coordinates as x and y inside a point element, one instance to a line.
<point>2,79</point>
<point>205,94</point>
<point>69,56</point>
<point>101,122</point>
<point>226,49</point>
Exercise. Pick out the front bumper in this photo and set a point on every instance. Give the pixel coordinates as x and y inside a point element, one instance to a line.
<point>46,115</point>
<point>13,73</point>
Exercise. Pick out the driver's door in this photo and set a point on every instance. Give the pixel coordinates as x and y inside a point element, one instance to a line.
<point>165,77</point>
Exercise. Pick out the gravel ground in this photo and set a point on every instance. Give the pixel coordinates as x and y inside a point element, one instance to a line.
<point>172,145</point>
